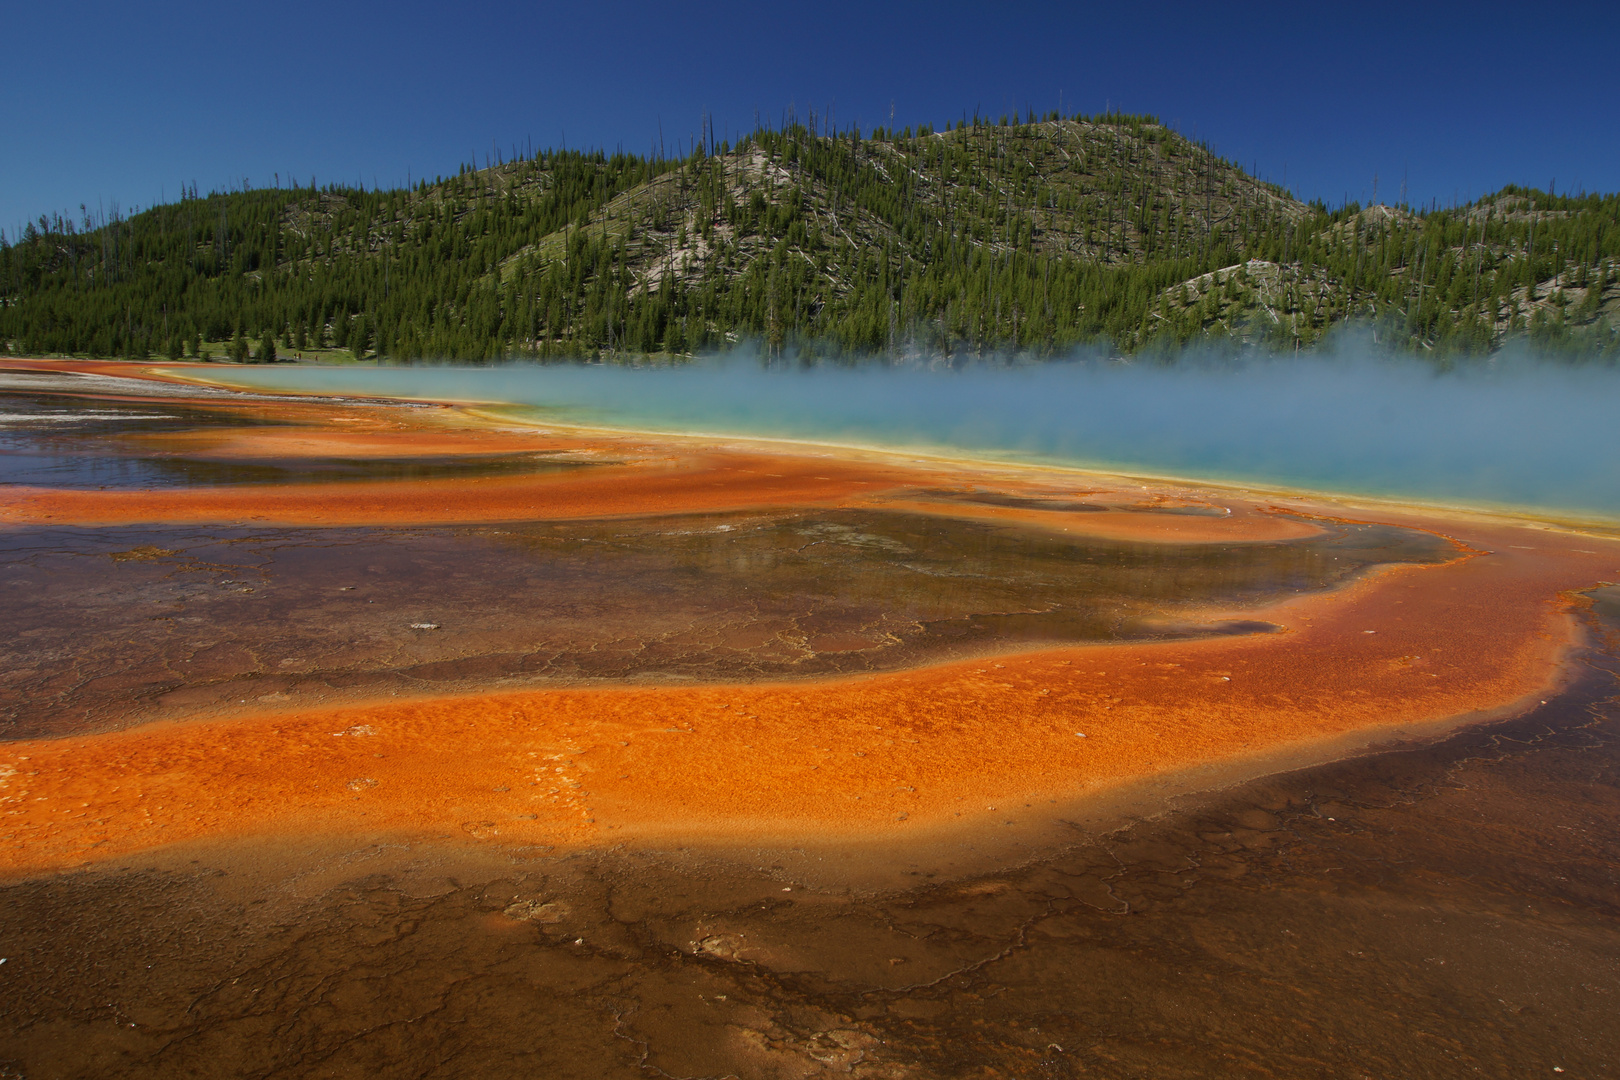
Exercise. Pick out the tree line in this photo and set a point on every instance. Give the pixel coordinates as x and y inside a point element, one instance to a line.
<point>1026,233</point>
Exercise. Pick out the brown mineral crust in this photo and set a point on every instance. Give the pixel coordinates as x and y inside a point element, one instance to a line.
<point>1246,523</point>
<point>876,757</point>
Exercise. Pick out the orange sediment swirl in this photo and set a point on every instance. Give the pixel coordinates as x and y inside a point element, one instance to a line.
<point>669,479</point>
<point>701,483</point>
<point>875,756</point>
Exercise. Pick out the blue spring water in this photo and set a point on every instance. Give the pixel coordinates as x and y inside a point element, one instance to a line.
<point>1507,433</point>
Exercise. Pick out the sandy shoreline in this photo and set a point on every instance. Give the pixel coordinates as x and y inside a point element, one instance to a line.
<point>927,756</point>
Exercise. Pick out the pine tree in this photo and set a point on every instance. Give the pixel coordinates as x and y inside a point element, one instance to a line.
<point>239,347</point>
<point>267,348</point>
<point>359,338</point>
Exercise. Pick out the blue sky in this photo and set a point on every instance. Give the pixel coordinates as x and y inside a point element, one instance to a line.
<point>126,102</point>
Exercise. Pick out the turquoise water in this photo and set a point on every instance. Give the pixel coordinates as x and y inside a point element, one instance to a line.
<point>1537,436</point>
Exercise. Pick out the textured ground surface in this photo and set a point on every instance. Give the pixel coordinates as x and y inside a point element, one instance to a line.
<point>715,760</point>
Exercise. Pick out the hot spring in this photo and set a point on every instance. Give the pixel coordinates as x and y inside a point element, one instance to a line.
<point>1515,432</point>
<point>629,721</point>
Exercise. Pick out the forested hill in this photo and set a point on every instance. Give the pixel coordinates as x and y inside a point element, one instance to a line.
<point>1026,234</point>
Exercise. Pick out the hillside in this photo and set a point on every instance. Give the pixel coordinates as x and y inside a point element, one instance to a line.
<point>1030,235</point>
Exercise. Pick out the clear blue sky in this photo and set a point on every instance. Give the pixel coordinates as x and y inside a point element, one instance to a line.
<point>126,101</point>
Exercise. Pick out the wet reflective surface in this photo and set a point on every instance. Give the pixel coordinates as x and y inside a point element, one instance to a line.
<point>112,626</point>
<point>62,441</point>
<point>1440,910</point>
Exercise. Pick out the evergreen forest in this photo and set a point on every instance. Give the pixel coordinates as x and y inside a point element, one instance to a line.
<point>1030,235</point>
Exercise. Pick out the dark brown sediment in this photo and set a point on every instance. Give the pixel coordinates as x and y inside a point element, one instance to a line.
<point>1440,909</point>
<point>117,626</point>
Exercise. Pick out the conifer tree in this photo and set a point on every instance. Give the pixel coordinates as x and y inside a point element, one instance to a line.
<point>359,338</point>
